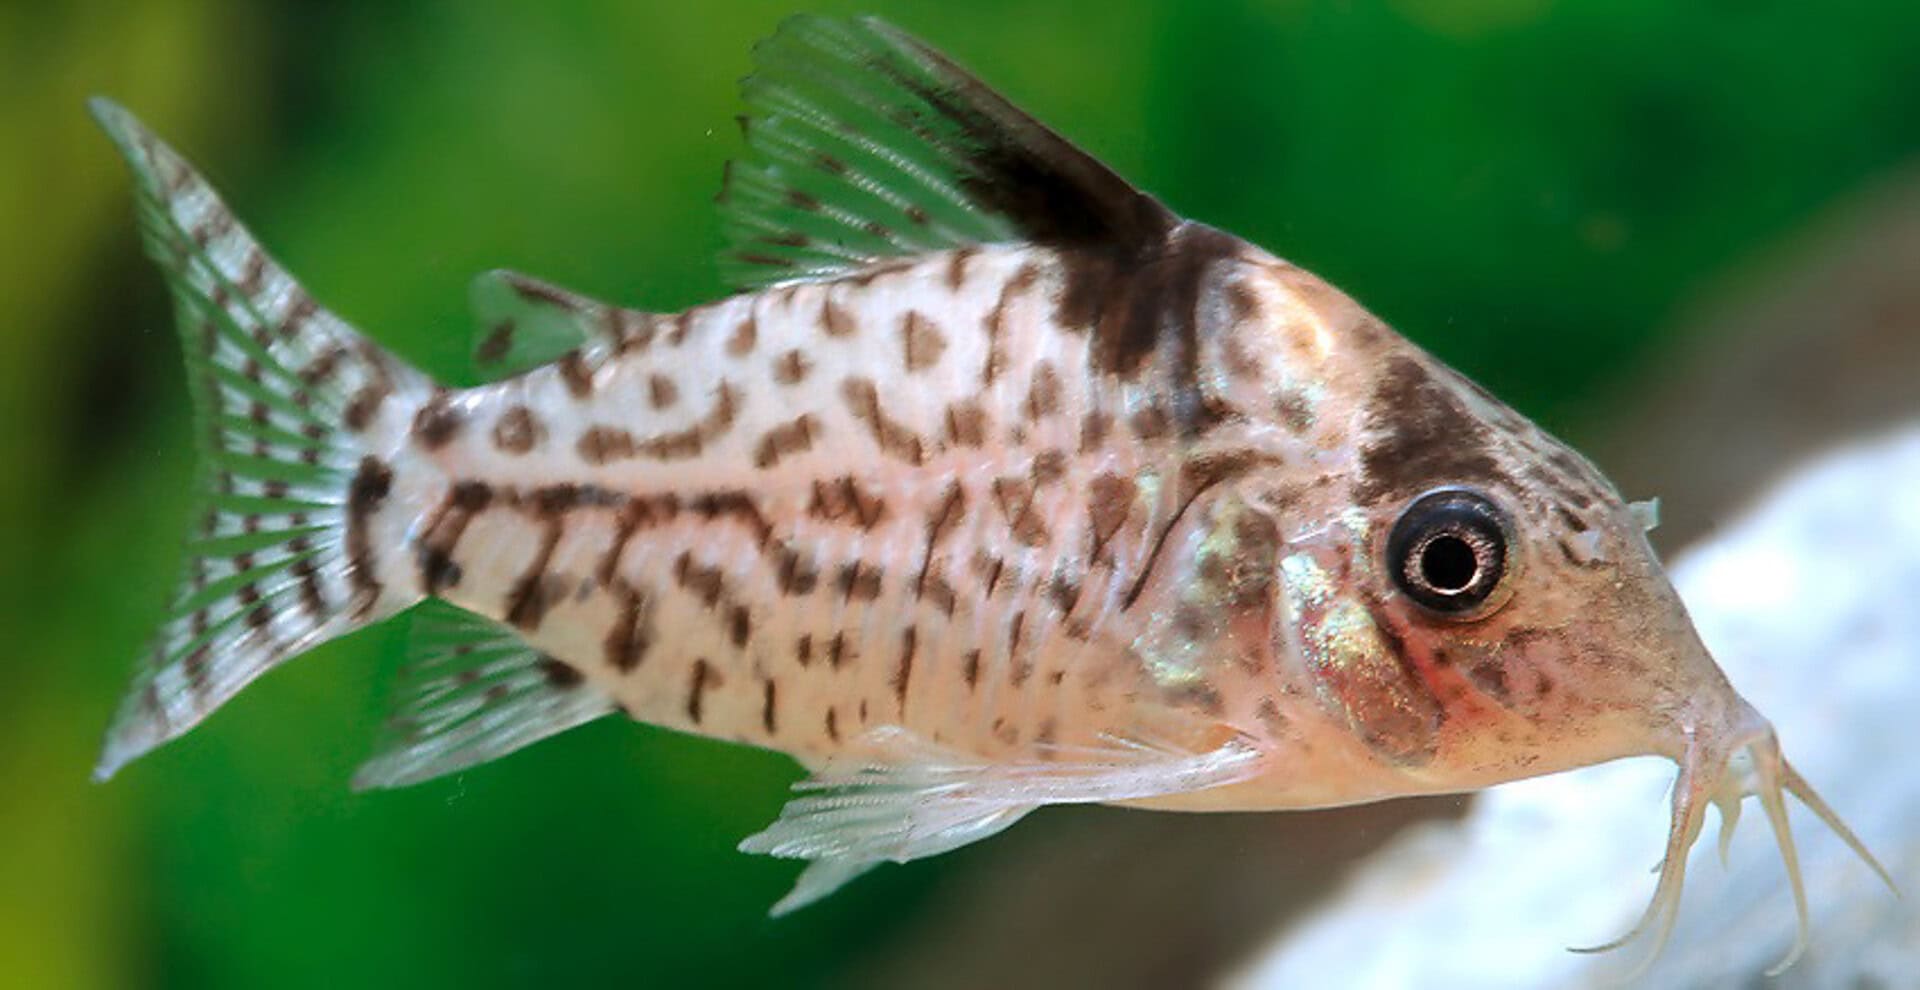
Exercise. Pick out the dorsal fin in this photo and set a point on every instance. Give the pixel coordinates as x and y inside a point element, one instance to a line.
<point>473,691</point>
<point>865,144</point>
<point>521,323</point>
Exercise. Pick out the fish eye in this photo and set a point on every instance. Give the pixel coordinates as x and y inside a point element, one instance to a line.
<point>1448,552</point>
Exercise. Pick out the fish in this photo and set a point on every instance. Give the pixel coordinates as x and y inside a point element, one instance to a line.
<point>996,484</point>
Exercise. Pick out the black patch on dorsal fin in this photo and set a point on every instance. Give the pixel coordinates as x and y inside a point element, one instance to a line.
<point>1144,303</point>
<point>865,144</point>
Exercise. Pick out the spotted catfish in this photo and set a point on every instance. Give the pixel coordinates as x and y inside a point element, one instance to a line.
<point>998,485</point>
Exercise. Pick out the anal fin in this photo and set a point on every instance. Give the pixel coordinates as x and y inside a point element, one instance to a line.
<point>473,691</point>
<point>911,799</point>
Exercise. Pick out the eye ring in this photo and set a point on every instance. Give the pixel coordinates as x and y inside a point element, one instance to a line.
<point>1449,553</point>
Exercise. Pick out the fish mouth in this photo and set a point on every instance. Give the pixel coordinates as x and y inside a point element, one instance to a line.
<point>1724,777</point>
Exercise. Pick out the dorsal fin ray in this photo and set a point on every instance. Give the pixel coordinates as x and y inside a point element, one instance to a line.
<point>864,144</point>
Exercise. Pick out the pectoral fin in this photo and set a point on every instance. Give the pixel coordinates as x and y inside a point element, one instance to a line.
<point>911,799</point>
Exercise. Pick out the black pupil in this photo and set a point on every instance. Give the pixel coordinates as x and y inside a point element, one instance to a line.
<point>1448,551</point>
<point>1448,564</point>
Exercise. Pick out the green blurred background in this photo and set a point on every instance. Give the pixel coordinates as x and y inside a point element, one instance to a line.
<point>1533,189</point>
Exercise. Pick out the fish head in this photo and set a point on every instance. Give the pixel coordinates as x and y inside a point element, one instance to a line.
<point>1477,603</point>
<point>1470,595</point>
<point>1517,587</point>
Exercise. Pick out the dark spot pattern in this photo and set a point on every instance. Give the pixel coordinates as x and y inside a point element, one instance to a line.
<point>496,344</point>
<point>602,444</point>
<point>740,626</point>
<point>858,581</point>
<point>839,652</point>
<point>863,401</point>
<point>770,707</point>
<point>845,497</point>
<point>791,368</point>
<point>796,576</point>
<point>1015,498</point>
<point>1094,428</point>
<point>558,674</point>
<point>966,424</point>
<point>575,374</point>
<point>437,422</point>
<point>1049,466</point>
<point>517,431</point>
<point>369,489</point>
<point>745,334</point>
<point>903,670</point>
<point>630,636</point>
<point>921,343</point>
<point>534,591</point>
<point>1294,411</point>
<point>1043,395</point>
<point>1422,436</point>
<point>662,393</point>
<point>995,363</point>
<point>957,261</point>
<point>703,679</point>
<point>793,437</point>
<point>441,533</point>
<point>361,409</point>
<point>835,319</point>
<point>1109,501</point>
<point>704,581</point>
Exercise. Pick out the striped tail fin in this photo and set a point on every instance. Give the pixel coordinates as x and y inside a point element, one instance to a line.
<point>297,420</point>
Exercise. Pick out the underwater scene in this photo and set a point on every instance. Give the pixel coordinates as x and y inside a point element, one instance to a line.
<point>1250,494</point>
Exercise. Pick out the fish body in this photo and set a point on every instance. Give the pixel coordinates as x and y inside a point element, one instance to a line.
<point>997,485</point>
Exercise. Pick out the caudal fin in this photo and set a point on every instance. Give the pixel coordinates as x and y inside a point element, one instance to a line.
<point>296,418</point>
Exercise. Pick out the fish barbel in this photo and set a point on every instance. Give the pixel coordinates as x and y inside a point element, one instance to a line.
<point>998,485</point>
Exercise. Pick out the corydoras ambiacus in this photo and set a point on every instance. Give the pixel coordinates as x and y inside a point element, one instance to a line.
<point>999,485</point>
